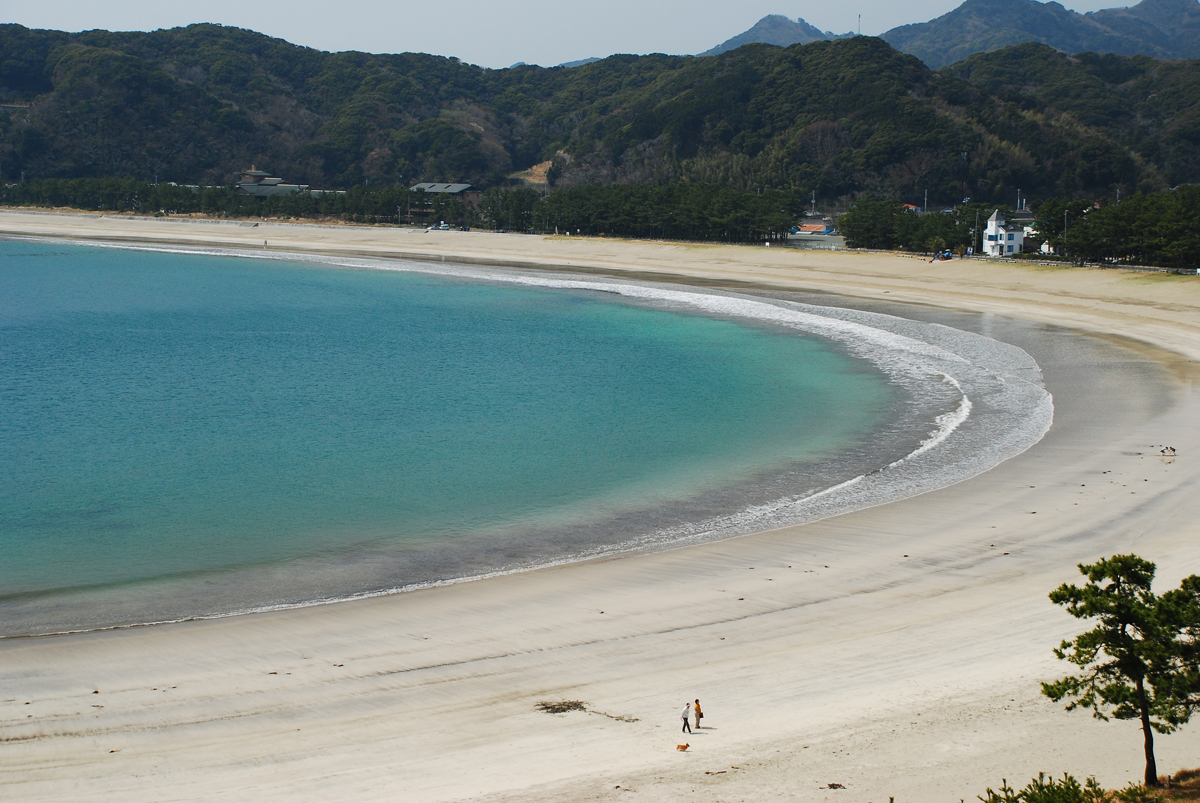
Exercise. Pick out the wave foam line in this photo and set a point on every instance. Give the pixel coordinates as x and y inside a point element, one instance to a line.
<point>946,424</point>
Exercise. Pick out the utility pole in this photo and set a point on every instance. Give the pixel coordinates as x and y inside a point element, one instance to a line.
<point>926,209</point>
<point>860,24</point>
<point>966,174</point>
<point>1064,242</point>
<point>814,204</point>
<point>1018,199</point>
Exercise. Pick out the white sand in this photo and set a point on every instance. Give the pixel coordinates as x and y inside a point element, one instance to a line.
<point>820,653</point>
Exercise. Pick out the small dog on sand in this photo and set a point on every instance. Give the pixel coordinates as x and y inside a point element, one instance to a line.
<point>682,746</point>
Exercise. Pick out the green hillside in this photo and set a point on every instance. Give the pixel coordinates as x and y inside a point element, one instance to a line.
<point>1145,113</point>
<point>841,118</point>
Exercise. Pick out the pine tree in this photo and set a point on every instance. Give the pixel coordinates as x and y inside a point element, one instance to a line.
<point>1141,661</point>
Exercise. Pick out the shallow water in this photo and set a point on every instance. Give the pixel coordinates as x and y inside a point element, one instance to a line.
<point>191,434</point>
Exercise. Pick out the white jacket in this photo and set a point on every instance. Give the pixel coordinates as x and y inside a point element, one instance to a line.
<point>687,709</point>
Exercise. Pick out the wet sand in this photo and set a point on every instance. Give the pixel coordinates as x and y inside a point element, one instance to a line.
<point>895,650</point>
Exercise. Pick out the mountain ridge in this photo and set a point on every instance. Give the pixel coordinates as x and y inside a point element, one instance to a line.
<point>1157,28</point>
<point>842,118</point>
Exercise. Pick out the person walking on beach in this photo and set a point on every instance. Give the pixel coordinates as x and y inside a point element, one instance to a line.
<point>687,728</point>
<point>697,713</point>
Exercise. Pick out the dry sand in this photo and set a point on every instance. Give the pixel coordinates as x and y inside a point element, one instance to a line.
<point>820,653</point>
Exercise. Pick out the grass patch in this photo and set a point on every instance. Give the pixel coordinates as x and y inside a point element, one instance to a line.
<point>1181,787</point>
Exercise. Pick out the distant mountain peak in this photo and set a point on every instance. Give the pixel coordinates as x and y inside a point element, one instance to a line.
<point>580,62</point>
<point>1165,29</point>
<point>1158,28</point>
<point>775,29</point>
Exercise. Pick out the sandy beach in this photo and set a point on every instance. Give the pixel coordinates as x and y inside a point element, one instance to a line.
<point>896,650</point>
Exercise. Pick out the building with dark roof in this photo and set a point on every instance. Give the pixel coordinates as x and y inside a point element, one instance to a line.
<point>1002,237</point>
<point>464,192</point>
<point>259,183</point>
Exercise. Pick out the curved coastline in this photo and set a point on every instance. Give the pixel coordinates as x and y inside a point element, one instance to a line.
<point>941,369</point>
<point>821,653</point>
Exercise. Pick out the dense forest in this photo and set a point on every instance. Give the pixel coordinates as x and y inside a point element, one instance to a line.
<point>886,224</point>
<point>358,204</point>
<point>844,119</point>
<point>1157,229</point>
<point>672,212</point>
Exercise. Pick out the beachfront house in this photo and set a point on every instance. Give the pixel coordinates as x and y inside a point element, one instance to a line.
<point>1001,238</point>
<point>260,184</point>
<point>463,192</point>
<point>432,199</point>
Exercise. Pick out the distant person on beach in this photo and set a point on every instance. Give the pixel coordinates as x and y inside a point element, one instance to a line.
<point>687,709</point>
<point>698,714</point>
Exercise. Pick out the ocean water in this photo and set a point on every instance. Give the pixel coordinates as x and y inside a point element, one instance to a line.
<point>186,434</point>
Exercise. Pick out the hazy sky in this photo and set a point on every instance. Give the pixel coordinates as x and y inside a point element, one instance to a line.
<point>491,33</point>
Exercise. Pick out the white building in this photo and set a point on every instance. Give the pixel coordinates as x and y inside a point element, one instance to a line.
<point>1001,239</point>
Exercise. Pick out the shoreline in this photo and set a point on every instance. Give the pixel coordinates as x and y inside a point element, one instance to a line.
<point>1011,412</point>
<point>1098,302</point>
<point>833,659</point>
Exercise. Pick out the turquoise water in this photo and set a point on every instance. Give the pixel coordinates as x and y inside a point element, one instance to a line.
<point>173,415</point>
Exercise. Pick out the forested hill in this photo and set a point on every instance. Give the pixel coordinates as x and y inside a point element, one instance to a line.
<point>842,118</point>
<point>1160,28</point>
